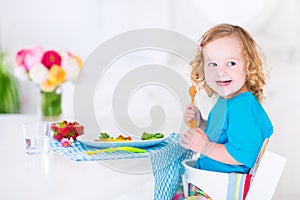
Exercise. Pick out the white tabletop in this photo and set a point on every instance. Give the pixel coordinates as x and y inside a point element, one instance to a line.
<point>51,176</point>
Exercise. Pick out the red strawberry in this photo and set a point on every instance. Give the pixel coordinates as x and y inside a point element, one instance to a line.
<point>53,127</point>
<point>70,124</point>
<point>75,136</point>
<point>64,131</point>
<point>64,123</point>
<point>79,129</point>
<point>58,137</point>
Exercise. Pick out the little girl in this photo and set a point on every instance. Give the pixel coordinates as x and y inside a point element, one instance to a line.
<point>229,66</point>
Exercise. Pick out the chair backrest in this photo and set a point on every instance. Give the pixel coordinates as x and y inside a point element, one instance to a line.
<point>267,176</point>
<point>259,156</point>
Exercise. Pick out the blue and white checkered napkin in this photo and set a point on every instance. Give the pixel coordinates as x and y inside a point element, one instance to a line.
<point>167,168</point>
<point>165,157</point>
<point>77,152</point>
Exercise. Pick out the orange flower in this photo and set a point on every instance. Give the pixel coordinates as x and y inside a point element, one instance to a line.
<point>78,60</point>
<point>56,74</point>
<point>48,86</point>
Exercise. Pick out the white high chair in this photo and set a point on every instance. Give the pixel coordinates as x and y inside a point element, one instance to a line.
<point>266,175</point>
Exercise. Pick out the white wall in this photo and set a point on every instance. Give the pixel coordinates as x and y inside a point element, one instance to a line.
<point>80,26</point>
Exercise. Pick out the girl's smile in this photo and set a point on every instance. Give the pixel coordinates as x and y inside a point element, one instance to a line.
<point>224,83</point>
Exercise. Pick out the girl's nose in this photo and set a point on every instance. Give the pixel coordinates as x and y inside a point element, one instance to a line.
<point>221,70</point>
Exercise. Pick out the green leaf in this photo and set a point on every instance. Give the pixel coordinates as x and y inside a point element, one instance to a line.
<point>9,91</point>
<point>104,135</point>
<point>151,136</point>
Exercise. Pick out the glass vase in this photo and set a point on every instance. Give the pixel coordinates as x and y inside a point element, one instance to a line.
<point>51,105</point>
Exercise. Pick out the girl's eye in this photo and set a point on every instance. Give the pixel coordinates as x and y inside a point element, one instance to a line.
<point>231,63</point>
<point>212,64</point>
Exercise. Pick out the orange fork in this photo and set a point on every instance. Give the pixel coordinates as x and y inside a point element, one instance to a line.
<point>193,92</point>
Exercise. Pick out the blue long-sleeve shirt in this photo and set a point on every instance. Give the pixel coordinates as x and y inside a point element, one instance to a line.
<point>242,125</point>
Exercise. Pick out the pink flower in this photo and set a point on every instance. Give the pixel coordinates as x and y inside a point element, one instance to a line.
<point>20,58</point>
<point>66,143</point>
<point>27,58</point>
<point>51,58</point>
<point>34,56</point>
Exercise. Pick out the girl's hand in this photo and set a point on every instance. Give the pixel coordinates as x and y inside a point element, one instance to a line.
<point>194,139</point>
<point>192,112</point>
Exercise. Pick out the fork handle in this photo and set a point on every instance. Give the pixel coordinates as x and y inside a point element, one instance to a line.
<point>193,123</point>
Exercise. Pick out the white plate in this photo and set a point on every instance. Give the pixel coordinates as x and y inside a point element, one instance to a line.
<point>134,143</point>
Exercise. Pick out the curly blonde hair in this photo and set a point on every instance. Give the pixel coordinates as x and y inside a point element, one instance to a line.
<point>252,56</point>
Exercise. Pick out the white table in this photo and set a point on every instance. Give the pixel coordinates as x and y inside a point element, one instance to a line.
<point>54,177</point>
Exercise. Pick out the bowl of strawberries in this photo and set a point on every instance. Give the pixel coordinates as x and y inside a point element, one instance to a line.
<point>68,130</point>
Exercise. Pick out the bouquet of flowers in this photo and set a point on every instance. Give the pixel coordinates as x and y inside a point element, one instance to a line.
<point>48,69</point>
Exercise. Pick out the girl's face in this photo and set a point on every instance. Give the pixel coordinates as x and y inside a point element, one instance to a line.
<point>224,67</point>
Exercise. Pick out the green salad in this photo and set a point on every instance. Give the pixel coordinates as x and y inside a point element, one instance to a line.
<point>151,136</point>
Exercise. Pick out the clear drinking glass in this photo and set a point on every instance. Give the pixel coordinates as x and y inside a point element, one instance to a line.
<point>37,137</point>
